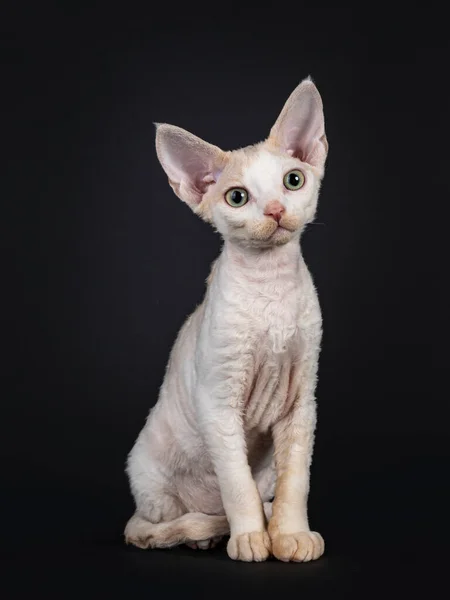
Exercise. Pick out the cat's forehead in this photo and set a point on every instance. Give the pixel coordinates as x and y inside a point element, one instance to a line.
<point>263,169</point>
<point>263,164</point>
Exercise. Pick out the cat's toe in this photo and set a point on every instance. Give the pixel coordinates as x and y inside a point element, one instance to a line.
<point>192,545</point>
<point>298,547</point>
<point>204,544</point>
<point>249,547</point>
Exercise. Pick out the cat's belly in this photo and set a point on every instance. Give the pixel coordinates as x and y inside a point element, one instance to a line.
<point>273,388</point>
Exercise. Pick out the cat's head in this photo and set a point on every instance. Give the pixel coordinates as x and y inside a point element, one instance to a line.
<point>262,195</point>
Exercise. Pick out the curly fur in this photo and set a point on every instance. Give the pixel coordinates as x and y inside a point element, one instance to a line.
<point>234,423</point>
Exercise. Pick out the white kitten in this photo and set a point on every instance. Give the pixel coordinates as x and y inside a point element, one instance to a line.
<point>234,423</point>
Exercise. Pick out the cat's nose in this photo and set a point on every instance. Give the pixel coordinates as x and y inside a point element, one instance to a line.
<point>274,209</point>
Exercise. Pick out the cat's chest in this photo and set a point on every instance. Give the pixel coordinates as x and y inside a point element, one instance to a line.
<point>272,384</point>
<point>272,318</point>
<point>275,336</point>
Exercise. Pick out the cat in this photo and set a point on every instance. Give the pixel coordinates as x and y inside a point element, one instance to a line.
<point>227,448</point>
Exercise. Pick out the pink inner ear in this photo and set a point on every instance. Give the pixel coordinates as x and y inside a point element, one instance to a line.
<point>208,179</point>
<point>191,164</point>
<point>202,184</point>
<point>300,128</point>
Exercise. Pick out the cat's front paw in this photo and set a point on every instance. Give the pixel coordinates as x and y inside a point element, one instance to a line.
<point>249,547</point>
<point>297,547</point>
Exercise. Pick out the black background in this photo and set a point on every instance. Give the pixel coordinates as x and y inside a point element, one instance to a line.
<point>103,264</point>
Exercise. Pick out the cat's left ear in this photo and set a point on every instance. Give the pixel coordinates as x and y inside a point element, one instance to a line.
<point>300,128</point>
<point>191,164</point>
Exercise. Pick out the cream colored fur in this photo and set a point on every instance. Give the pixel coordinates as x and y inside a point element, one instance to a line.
<point>234,423</point>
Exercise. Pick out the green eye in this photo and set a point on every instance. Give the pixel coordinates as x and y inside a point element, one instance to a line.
<point>236,197</point>
<point>294,180</point>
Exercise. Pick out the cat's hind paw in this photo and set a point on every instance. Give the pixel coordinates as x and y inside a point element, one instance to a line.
<point>249,547</point>
<point>205,544</point>
<point>298,547</point>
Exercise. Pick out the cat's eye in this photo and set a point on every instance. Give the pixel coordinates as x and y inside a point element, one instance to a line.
<point>294,180</point>
<point>236,197</point>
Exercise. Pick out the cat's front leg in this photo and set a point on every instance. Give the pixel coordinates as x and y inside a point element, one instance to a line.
<point>223,433</point>
<point>291,537</point>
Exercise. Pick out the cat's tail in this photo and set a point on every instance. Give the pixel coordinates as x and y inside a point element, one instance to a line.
<point>191,527</point>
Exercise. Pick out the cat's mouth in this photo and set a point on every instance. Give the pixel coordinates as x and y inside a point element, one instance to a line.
<point>281,229</point>
<point>284,230</point>
<point>272,232</point>
<point>287,225</point>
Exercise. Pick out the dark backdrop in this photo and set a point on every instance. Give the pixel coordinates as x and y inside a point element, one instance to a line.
<point>104,263</point>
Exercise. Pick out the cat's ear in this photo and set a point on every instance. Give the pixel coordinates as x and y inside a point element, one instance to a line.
<point>190,163</point>
<point>300,128</point>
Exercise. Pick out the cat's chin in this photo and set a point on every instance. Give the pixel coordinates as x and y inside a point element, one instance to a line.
<point>257,239</point>
<point>281,236</point>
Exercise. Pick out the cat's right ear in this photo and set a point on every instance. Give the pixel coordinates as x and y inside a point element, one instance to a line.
<point>190,163</point>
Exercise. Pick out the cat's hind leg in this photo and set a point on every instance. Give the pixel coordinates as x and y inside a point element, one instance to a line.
<point>212,542</point>
<point>162,519</point>
<point>191,528</point>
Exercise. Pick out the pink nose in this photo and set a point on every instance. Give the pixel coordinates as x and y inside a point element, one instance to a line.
<point>274,209</point>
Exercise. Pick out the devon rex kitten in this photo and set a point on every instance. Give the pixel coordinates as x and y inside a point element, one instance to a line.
<point>234,424</point>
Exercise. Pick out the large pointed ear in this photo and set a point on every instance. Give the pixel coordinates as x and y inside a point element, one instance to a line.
<point>300,128</point>
<point>191,164</point>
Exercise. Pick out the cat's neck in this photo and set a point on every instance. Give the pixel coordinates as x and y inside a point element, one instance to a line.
<point>262,264</point>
